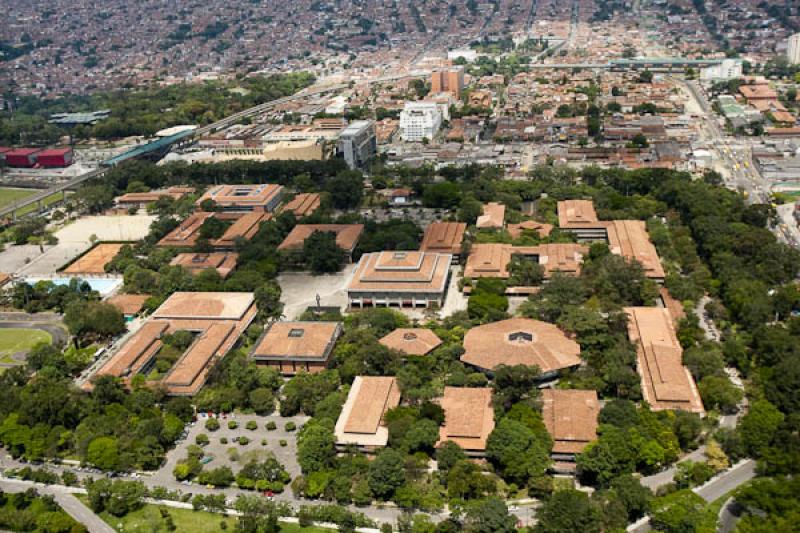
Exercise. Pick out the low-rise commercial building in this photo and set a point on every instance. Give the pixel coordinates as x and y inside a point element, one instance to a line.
<point>360,423</point>
<point>303,204</point>
<point>347,236</point>
<point>494,215</point>
<point>444,237</point>
<point>216,319</point>
<point>143,199</point>
<point>411,341</point>
<point>292,347</point>
<point>242,198</point>
<point>400,279</point>
<point>223,262</point>
<point>491,260</point>
<point>521,341</point>
<point>468,419</point>
<point>666,383</point>
<point>570,417</point>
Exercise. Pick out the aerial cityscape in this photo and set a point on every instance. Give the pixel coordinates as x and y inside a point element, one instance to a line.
<point>425,266</point>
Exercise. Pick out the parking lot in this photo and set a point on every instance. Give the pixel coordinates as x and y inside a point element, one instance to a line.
<point>220,452</point>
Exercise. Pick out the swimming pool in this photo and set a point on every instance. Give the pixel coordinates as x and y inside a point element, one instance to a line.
<point>104,286</point>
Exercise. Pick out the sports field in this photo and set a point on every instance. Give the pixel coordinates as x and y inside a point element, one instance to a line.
<point>9,195</point>
<point>19,340</point>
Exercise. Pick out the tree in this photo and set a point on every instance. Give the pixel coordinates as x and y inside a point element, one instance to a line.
<point>568,511</point>
<point>489,516</point>
<point>346,189</point>
<point>117,498</point>
<point>321,252</point>
<point>316,449</point>
<point>268,300</point>
<point>386,473</point>
<point>103,452</point>
<point>519,453</point>
<point>524,272</point>
<point>759,425</point>
<point>719,393</point>
<point>86,319</point>
<point>513,384</point>
<point>635,497</point>
<point>448,454</point>
<point>262,400</point>
<point>442,195</point>
<point>258,515</point>
<point>422,436</point>
<point>640,141</point>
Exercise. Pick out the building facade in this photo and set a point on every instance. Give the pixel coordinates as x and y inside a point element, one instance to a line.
<point>793,51</point>
<point>358,143</point>
<point>419,121</point>
<point>448,81</point>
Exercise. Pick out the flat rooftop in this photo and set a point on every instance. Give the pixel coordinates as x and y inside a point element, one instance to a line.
<point>411,341</point>
<point>360,422</point>
<point>570,417</point>
<point>247,197</point>
<point>401,271</point>
<point>298,341</point>
<point>347,235</point>
<point>443,237</point>
<point>520,341</point>
<point>468,417</point>
<point>95,260</point>
<point>666,383</point>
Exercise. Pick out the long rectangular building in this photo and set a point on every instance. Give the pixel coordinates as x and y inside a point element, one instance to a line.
<point>361,422</point>
<point>666,383</point>
<point>217,320</point>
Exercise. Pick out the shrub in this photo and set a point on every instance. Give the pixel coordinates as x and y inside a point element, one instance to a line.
<point>290,426</point>
<point>271,426</point>
<point>201,439</point>
<point>212,424</point>
<point>282,443</point>
<point>263,442</point>
<point>251,425</point>
<point>223,440</point>
<point>244,441</point>
<point>233,424</point>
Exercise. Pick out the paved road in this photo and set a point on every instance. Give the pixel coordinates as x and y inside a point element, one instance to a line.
<point>65,498</point>
<point>721,485</point>
<point>665,476</point>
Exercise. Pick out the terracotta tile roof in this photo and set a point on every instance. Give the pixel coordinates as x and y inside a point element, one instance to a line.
<point>205,305</point>
<point>222,262</point>
<point>4,278</point>
<point>245,227</point>
<point>346,235</point>
<point>186,234</point>
<point>298,341</point>
<point>520,341</point>
<point>490,260</point>
<point>199,354</point>
<point>128,304</point>
<point>541,228</point>
<point>412,341</point>
<point>571,418</point>
<point>629,238</point>
<point>142,345</point>
<point>674,307</point>
<point>469,417</point>
<point>256,197</point>
<point>176,193</point>
<point>493,216</point>
<point>95,260</point>
<point>399,271</point>
<point>360,422</point>
<point>445,237</point>
<point>576,213</point>
<point>303,204</point>
<point>666,383</point>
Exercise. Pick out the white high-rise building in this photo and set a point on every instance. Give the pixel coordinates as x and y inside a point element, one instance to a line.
<point>728,69</point>
<point>794,49</point>
<point>420,120</point>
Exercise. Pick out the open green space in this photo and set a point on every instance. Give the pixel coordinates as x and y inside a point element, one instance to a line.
<point>149,519</point>
<point>15,340</point>
<point>9,195</point>
<point>52,199</point>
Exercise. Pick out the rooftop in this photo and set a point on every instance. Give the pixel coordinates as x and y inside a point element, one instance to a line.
<point>303,204</point>
<point>257,196</point>
<point>576,213</point>
<point>490,260</point>
<point>469,417</point>
<point>520,341</point>
<point>571,418</point>
<point>493,216</point>
<point>346,235</point>
<point>629,239</point>
<point>400,271</point>
<point>666,383</point>
<point>301,341</point>
<point>222,262</point>
<point>205,305</point>
<point>445,237</point>
<point>411,341</point>
<point>128,304</point>
<point>360,422</point>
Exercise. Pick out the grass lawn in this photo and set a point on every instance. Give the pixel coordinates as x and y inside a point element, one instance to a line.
<point>148,519</point>
<point>53,198</point>
<point>9,195</point>
<point>13,340</point>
